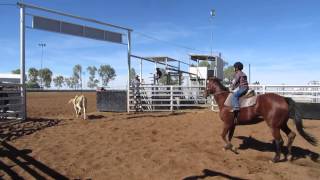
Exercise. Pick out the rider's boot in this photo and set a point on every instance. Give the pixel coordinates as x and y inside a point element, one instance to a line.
<point>236,114</point>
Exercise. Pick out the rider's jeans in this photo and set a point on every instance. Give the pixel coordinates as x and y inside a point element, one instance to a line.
<point>236,95</point>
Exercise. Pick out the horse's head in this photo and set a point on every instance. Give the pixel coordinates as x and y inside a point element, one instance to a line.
<point>213,86</point>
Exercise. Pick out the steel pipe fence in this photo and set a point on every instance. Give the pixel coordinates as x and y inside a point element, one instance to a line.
<point>166,98</point>
<point>11,101</point>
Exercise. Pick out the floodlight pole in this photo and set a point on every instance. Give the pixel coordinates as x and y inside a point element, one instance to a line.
<point>212,14</point>
<point>42,45</point>
<point>22,63</point>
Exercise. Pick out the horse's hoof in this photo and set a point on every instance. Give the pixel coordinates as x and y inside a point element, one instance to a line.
<point>227,147</point>
<point>275,160</point>
<point>234,149</point>
<point>290,157</point>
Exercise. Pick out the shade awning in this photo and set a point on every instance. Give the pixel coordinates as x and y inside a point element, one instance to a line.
<point>161,58</point>
<point>202,57</point>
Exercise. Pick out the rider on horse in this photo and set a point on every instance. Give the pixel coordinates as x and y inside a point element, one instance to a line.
<point>240,87</point>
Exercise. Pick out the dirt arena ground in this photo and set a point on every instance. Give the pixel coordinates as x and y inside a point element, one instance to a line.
<point>53,144</point>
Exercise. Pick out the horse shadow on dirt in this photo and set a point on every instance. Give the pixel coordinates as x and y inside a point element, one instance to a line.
<point>142,115</point>
<point>211,173</point>
<point>14,129</point>
<point>21,159</point>
<point>297,152</point>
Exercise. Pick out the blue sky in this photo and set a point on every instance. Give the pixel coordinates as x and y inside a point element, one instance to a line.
<point>279,38</point>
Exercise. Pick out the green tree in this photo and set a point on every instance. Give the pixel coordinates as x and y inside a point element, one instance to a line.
<point>133,74</point>
<point>70,82</point>
<point>58,81</point>
<point>204,64</point>
<point>77,69</point>
<point>46,76</point>
<point>93,82</point>
<point>30,84</point>
<point>16,71</point>
<point>33,74</point>
<point>228,75</point>
<point>168,80</point>
<point>107,73</point>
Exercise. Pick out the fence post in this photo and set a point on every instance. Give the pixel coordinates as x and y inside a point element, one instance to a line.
<point>263,89</point>
<point>171,98</point>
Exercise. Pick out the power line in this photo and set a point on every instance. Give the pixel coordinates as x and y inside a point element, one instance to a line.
<point>7,4</point>
<point>169,42</point>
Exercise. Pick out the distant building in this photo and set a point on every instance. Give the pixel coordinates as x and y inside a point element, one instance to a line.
<point>314,83</point>
<point>203,73</point>
<point>9,78</point>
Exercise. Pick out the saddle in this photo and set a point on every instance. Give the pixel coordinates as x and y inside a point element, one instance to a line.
<point>247,100</point>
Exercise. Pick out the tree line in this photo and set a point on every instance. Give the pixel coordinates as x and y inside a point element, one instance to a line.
<point>40,78</point>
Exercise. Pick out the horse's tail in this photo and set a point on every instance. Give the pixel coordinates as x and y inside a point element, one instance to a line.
<point>296,116</point>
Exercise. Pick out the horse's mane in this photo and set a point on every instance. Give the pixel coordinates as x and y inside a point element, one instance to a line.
<point>221,86</point>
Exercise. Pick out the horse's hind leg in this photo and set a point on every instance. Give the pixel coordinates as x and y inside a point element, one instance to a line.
<point>291,136</point>
<point>278,143</point>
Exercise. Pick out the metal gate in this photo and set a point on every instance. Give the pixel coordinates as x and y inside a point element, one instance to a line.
<point>166,98</point>
<point>11,103</point>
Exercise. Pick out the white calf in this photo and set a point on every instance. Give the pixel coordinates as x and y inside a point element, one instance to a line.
<point>79,104</point>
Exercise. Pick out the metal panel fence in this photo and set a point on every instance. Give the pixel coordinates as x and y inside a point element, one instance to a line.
<point>299,93</point>
<point>165,98</point>
<point>169,98</point>
<point>11,106</point>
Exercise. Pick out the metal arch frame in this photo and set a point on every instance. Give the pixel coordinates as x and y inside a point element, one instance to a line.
<point>23,7</point>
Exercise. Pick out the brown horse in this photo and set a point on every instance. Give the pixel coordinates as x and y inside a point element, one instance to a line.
<point>272,108</point>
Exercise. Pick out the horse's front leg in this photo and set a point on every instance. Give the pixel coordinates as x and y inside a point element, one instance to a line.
<point>76,110</point>
<point>228,128</point>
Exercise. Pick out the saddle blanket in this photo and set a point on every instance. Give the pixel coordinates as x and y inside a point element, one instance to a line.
<point>244,101</point>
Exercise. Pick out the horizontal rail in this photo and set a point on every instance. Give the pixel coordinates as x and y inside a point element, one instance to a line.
<point>167,90</point>
<point>152,110</point>
<point>10,98</point>
<point>10,105</point>
<point>10,113</point>
<point>10,92</point>
<point>168,86</point>
<point>10,121</point>
<point>306,86</point>
<point>174,100</point>
<point>288,91</point>
<point>167,105</point>
<point>10,84</point>
<point>165,96</point>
